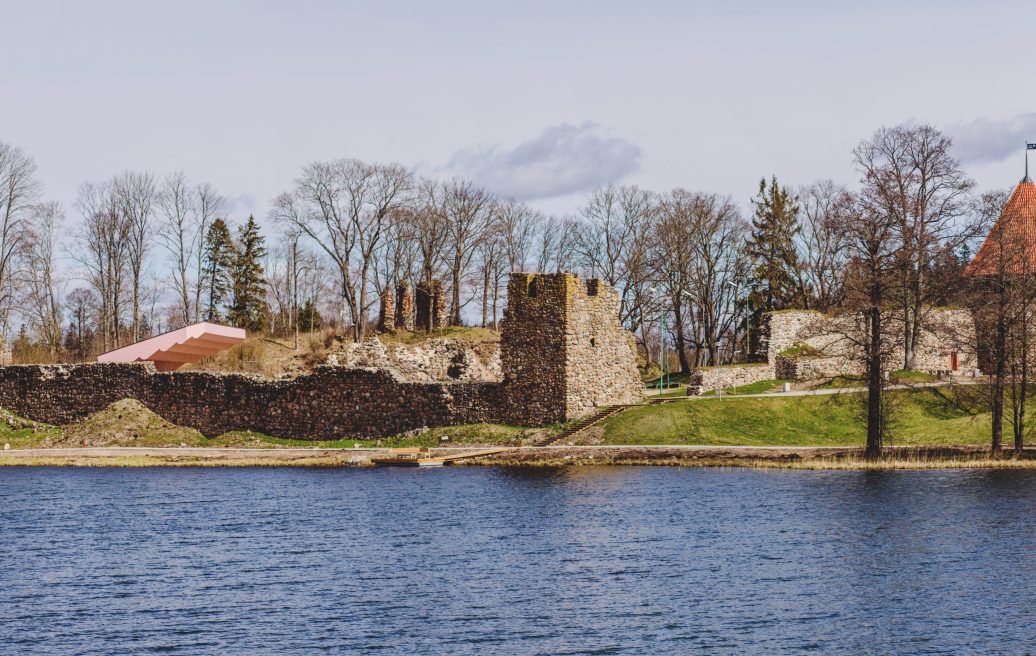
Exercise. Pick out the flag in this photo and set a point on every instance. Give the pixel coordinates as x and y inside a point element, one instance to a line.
<point>1030,146</point>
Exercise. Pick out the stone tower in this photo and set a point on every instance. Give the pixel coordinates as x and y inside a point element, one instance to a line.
<point>404,307</point>
<point>563,351</point>
<point>431,305</point>
<point>387,313</point>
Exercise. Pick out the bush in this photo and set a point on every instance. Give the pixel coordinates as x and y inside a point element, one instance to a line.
<point>800,350</point>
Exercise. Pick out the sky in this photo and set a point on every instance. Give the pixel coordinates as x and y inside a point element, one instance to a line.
<point>542,101</point>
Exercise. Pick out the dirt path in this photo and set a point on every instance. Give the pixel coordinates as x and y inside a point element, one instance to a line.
<point>549,455</point>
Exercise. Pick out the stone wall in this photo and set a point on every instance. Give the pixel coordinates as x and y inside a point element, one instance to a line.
<point>563,353</point>
<point>807,345</point>
<point>433,360</point>
<point>330,403</point>
<point>600,355</point>
<point>704,380</point>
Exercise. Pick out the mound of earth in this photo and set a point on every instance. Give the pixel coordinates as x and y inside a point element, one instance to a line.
<point>124,423</point>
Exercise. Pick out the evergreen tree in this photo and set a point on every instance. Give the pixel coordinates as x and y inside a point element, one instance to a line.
<point>772,249</point>
<point>219,265</point>
<point>248,309</point>
<point>309,319</point>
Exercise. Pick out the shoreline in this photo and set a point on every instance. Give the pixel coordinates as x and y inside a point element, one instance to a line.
<point>760,457</point>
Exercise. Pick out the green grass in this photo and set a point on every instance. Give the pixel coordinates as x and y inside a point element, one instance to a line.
<point>901,377</point>
<point>470,336</point>
<point>734,365</point>
<point>800,350</point>
<point>758,387</point>
<point>925,416</point>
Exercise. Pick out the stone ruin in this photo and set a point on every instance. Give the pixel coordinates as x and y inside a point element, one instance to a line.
<point>563,354</point>
<point>400,311</point>
<point>404,314</point>
<point>431,306</point>
<point>387,313</point>
<point>806,345</point>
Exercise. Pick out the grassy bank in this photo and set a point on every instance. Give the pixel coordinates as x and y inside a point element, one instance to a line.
<point>927,416</point>
<point>923,416</point>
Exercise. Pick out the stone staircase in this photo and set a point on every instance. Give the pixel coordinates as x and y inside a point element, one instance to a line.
<point>585,423</point>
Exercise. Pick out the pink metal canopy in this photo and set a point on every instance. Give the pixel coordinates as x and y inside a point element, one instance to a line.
<point>170,350</point>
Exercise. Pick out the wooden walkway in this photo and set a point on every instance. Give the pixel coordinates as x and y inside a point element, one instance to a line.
<point>421,457</point>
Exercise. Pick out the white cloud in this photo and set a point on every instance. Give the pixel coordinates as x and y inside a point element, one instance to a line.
<point>564,159</point>
<point>992,140</point>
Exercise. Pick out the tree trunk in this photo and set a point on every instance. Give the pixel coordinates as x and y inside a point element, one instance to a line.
<point>1019,425</point>
<point>1000,355</point>
<point>874,419</point>
<point>681,339</point>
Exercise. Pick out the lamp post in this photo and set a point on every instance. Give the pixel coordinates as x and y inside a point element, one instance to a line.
<point>663,364</point>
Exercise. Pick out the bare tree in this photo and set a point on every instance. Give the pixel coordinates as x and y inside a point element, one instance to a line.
<point>102,248</point>
<point>19,190</point>
<point>82,304</point>
<point>41,278</point>
<point>872,240</point>
<point>557,237</point>
<point>911,179</point>
<point>821,246</point>
<point>613,218</point>
<point>208,205</point>
<point>345,206</point>
<point>468,211</point>
<point>178,234</point>
<point>135,194</point>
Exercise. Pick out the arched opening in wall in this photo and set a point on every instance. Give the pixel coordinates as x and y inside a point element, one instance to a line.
<point>593,342</point>
<point>593,286</point>
<point>534,288</point>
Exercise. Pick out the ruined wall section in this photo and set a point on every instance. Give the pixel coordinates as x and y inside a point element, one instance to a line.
<point>532,347</point>
<point>600,358</point>
<point>807,345</point>
<point>331,403</point>
<point>563,353</point>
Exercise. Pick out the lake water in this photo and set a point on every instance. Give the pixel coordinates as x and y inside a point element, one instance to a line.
<point>476,560</point>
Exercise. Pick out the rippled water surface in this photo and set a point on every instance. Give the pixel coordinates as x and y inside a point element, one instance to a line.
<point>516,561</point>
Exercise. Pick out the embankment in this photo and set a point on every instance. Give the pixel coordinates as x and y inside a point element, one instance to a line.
<point>847,458</point>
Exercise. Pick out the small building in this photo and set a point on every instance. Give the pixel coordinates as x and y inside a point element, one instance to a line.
<point>169,351</point>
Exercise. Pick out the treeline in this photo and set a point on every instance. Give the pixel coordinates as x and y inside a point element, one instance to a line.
<point>150,253</point>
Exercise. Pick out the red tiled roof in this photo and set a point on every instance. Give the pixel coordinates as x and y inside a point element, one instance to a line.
<point>1014,230</point>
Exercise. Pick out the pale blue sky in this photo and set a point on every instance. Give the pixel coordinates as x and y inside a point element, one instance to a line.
<point>543,100</point>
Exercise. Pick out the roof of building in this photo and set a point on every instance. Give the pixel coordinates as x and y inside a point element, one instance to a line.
<point>177,347</point>
<point>1011,244</point>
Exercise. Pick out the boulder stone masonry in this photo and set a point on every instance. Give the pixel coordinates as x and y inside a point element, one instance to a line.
<point>404,313</point>
<point>563,353</point>
<point>431,306</point>
<point>387,313</point>
<point>808,345</point>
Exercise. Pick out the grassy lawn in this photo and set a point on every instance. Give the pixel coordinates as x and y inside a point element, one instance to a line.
<point>758,387</point>
<point>926,416</point>
<point>901,377</point>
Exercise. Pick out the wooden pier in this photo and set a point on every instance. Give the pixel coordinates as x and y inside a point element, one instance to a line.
<point>422,457</point>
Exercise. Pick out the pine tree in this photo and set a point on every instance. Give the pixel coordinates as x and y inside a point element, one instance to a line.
<point>219,264</point>
<point>248,309</point>
<point>772,248</point>
<point>309,318</point>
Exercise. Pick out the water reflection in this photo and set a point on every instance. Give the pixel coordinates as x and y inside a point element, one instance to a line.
<point>516,560</point>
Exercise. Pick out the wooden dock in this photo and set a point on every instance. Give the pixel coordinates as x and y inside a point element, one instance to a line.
<point>422,457</point>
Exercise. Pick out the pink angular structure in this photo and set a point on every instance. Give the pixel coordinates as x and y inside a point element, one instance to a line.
<point>172,349</point>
